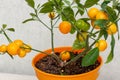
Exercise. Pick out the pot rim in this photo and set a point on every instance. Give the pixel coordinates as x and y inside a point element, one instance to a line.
<point>54,75</point>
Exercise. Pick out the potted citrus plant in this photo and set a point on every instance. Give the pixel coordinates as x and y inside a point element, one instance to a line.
<point>81,60</point>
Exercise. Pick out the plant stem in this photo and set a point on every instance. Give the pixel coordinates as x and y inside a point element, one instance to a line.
<point>9,40</point>
<point>52,35</point>
<point>40,19</point>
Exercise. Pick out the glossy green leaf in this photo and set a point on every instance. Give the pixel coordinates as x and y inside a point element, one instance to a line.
<point>111,55</point>
<point>33,15</point>
<point>11,29</point>
<point>67,2</point>
<point>101,22</point>
<point>68,14</point>
<point>81,8</point>
<point>105,3</point>
<point>27,20</point>
<point>111,13</point>
<point>91,57</point>
<point>77,1</point>
<point>47,7</point>
<point>118,7</point>
<point>90,3</point>
<point>4,26</point>
<point>30,3</point>
<point>72,30</point>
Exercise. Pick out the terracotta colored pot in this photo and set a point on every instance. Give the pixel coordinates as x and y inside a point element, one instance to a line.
<point>92,75</point>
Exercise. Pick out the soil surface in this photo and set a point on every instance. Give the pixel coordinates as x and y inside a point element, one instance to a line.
<point>49,65</point>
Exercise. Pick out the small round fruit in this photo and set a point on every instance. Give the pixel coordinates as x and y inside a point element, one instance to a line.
<point>65,27</point>
<point>81,24</point>
<point>12,48</point>
<point>3,48</point>
<point>112,29</point>
<point>21,53</point>
<point>84,34</point>
<point>93,12</point>
<point>27,48</point>
<point>51,15</point>
<point>95,26</point>
<point>102,15</point>
<point>18,42</point>
<point>65,55</point>
<point>101,44</point>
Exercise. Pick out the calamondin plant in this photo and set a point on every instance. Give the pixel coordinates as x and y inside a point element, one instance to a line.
<point>91,25</point>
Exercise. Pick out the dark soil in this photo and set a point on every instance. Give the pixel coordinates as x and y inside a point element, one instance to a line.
<point>49,65</point>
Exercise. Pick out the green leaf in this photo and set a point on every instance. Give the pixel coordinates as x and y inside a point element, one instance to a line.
<point>105,3</point>
<point>77,1</point>
<point>91,57</point>
<point>11,29</point>
<point>78,45</point>
<point>68,13</point>
<point>4,26</point>
<point>72,30</point>
<point>90,3</point>
<point>30,3</point>
<point>111,13</point>
<point>47,7</point>
<point>101,22</point>
<point>27,20</point>
<point>118,7</point>
<point>67,2</point>
<point>81,8</point>
<point>111,55</point>
<point>33,16</point>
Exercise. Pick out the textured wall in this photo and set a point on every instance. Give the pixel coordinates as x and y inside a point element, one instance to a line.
<point>13,12</point>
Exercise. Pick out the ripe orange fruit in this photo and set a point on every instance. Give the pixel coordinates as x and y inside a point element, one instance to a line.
<point>65,55</point>
<point>21,53</point>
<point>112,29</point>
<point>27,48</point>
<point>93,12</point>
<point>18,42</point>
<point>65,27</point>
<point>51,15</point>
<point>102,15</point>
<point>95,26</point>
<point>101,44</point>
<point>3,48</point>
<point>12,48</point>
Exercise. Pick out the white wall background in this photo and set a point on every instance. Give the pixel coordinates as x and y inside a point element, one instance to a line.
<point>13,12</point>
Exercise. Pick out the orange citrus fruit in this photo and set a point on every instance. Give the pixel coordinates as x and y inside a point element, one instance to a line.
<point>18,42</point>
<point>12,48</point>
<point>93,12</point>
<point>95,26</point>
<point>21,53</point>
<point>65,27</point>
<point>65,55</point>
<point>102,15</point>
<point>51,15</point>
<point>112,29</point>
<point>101,44</point>
<point>3,48</point>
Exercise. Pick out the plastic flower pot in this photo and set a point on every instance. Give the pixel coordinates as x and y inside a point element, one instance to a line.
<point>41,75</point>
